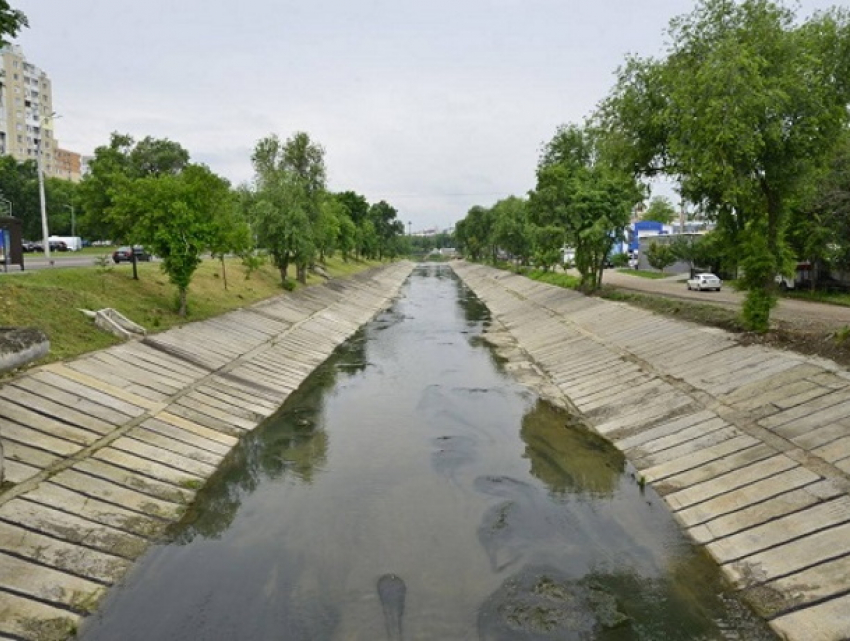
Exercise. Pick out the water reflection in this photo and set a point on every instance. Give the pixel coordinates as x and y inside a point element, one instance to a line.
<point>567,458</point>
<point>292,442</point>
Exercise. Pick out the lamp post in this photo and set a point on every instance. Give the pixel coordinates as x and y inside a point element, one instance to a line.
<point>73,221</point>
<point>45,119</point>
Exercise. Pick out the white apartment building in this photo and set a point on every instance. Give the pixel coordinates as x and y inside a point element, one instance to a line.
<point>26,110</point>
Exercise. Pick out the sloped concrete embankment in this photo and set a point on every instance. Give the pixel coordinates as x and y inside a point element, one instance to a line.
<point>105,451</point>
<point>749,446</point>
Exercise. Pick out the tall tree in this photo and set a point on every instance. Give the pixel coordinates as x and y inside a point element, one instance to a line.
<point>584,193</point>
<point>112,168</point>
<point>173,215</point>
<point>744,110</point>
<point>290,182</point>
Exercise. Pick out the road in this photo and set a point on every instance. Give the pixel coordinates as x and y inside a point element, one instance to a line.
<point>34,262</point>
<point>811,315</point>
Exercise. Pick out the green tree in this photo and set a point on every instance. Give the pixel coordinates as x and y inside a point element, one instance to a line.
<point>660,210</point>
<point>511,231</point>
<point>660,255</point>
<point>173,215</point>
<point>230,233</point>
<point>290,180</point>
<point>584,193</point>
<point>111,169</point>
<point>744,110</point>
<point>387,228</point>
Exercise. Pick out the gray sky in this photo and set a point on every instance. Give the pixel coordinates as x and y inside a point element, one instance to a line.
<point>433,106</point>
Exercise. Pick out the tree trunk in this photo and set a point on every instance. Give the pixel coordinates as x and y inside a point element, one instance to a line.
<point>301,273</point>
<point>223,272</point>
<point>182,311</point>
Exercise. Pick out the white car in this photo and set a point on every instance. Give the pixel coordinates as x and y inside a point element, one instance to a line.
<point>705,281</point>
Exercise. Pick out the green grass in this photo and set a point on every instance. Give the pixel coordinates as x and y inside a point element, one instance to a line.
<point>50,299</point>
<point>642,273</point>
<point>554,278</point>
<point>820,297</point>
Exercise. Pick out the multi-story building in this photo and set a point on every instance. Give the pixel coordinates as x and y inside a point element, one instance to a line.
<point>68,165</point>
<point>26,111</point>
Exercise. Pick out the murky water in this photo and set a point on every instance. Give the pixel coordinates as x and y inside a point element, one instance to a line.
<point>412,490</point>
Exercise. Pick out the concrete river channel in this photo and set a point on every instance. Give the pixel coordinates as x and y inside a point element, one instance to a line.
<point>412,488</point>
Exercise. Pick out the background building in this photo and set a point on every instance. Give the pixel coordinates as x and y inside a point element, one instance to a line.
<point>68,165</point>
<point>26,110</point>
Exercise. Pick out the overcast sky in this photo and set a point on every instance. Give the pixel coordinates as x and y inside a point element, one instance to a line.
<point>433,105</point>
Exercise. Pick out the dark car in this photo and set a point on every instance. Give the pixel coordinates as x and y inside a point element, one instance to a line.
<point>29,246</point>
<point>58,245</point>
<point>125,254</point>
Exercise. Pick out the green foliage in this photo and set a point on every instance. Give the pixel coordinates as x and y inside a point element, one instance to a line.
<point>759,268</point>
<point>546,241</point>
<point>744,111</point>
<point>11,22</point>
<point>660,255</point>
<point>511,231</point>
<point>583,192</point>
<point>111,171</point>
<point>661,210</point>
<point>620,260</point>
<point>175,216</point>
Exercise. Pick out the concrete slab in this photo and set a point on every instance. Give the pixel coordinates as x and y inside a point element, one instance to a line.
<point>30,401</point>
<point>716,469</point>
<point>746,496</point>
<point>783,530</point>
<point>67,399</point>
<point>826,621</point>
<point>791,557</point>
<point>143,466</point>
<point>23,618</point>
<point>162,456</point>
<point>134,500</point>
<point>102,386</point>
<point>765,511</point>
<point>71,528</point>
<point>67,557</point>
<point>702,457</point>
<point>163,420</point>
<point>152,439</point>
<point>96,510</point>
<point>134,481</point>
<point>730,481</point>
<point>75,388</point>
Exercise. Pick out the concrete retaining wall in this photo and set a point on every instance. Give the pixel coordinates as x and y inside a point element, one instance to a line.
<point>749,446</point>
<point>107,450</point>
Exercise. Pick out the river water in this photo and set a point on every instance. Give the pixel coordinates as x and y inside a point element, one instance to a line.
<point>412,490</point>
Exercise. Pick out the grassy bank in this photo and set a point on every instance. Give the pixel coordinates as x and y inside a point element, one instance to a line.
<point>50,299</point>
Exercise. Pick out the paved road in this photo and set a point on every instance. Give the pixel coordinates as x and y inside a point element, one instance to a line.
<point>798,312</point>
<point>33,262</point>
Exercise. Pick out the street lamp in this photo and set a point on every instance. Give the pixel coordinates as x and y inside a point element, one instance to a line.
<point>45,118</point>
<point>73,221</point>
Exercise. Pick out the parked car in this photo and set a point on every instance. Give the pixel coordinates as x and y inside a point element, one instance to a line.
<point>29,246</point>
<point>125,254</point>
<point>705,281</point>
<point>58,245</point>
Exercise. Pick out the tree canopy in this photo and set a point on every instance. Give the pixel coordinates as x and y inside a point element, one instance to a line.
<point>744,111</point>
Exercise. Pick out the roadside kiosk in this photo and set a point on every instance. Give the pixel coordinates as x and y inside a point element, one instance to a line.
<point>11,244</point>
